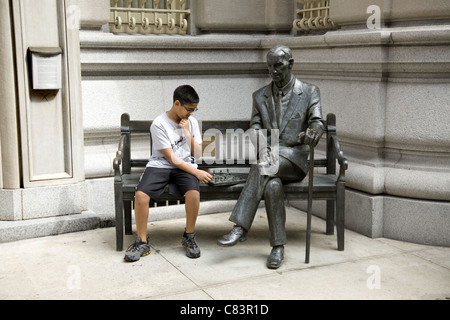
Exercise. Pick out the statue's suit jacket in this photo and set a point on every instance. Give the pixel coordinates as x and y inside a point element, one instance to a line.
<point>304,111</point>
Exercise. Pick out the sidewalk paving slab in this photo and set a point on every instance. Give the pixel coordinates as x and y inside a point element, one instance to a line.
<point>85,265</point>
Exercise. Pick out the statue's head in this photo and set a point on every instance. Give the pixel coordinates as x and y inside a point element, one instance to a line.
<point>279,63</point>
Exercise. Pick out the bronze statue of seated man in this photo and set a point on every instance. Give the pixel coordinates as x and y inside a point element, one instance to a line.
<point>291,110</point>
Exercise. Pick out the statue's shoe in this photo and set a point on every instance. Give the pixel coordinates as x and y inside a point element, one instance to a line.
<point>275,258</point>
<point>237,234</point>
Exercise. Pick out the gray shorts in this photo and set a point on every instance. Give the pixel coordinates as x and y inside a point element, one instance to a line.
<point>153,182</point>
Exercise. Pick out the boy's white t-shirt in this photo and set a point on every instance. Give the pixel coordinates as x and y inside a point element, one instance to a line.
<point>168,134</point>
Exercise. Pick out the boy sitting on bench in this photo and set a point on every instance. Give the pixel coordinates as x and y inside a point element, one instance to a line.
<point>176,143</point>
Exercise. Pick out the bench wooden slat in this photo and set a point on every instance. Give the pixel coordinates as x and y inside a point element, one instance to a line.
<point>322,182</point>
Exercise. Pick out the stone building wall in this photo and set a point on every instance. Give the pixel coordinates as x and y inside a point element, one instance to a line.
<point>385,73</point>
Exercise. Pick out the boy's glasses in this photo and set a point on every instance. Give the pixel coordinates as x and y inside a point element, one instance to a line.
<point>189,110</point>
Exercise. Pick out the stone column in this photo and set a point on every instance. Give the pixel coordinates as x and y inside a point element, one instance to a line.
<point>9,141</point>
<point>51,139</point>
<point>41,130</point>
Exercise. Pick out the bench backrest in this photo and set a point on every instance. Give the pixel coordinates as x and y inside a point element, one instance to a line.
<point>226,129</point>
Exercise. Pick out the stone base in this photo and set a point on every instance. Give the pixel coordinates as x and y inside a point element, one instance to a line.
<point>43,202</point>
<point>34,228</point>
<point>411,220</point>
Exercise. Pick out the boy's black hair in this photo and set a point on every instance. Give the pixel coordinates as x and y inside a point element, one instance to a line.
<point>186,95</point>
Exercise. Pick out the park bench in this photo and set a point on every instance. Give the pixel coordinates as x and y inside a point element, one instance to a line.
<point>327,185</point>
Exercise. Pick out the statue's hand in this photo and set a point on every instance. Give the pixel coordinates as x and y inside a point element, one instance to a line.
<point>268,158</point>
<point>310,137</point>
<point>301,137</point>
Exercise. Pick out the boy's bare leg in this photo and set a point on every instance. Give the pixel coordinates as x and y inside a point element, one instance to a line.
<point>140,247</point>
<point>141,207</point>
<point>192,204</point>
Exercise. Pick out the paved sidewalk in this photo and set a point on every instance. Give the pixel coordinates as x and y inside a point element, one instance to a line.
<point>85,265</point>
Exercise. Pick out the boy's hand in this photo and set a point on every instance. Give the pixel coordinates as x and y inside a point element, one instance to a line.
<point>196,149</point>
<point>184,124</point>
<point>203,176</point>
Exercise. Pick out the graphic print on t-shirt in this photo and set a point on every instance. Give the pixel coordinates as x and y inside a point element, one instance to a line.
<point>178,144</point>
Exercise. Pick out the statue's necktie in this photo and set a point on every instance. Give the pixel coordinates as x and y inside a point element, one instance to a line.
<point>278,108</point>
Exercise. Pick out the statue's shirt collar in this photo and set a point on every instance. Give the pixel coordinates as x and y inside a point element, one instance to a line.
<point>286,89</point>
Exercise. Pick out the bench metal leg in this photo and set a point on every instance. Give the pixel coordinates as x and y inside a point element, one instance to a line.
<point>127,206</point>
<point>340,214</point>
<point>330,217</point>
<point>119,216</point>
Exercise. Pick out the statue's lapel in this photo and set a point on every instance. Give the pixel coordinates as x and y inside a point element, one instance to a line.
<point>295,99</point>
<point>270,107</point>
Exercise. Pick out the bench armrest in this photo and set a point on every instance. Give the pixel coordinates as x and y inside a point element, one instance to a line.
<point>343,163</point>
<point>117,162</point>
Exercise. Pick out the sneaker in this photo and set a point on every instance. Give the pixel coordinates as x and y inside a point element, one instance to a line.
<point>137,250</point>
<point>188,242</point>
